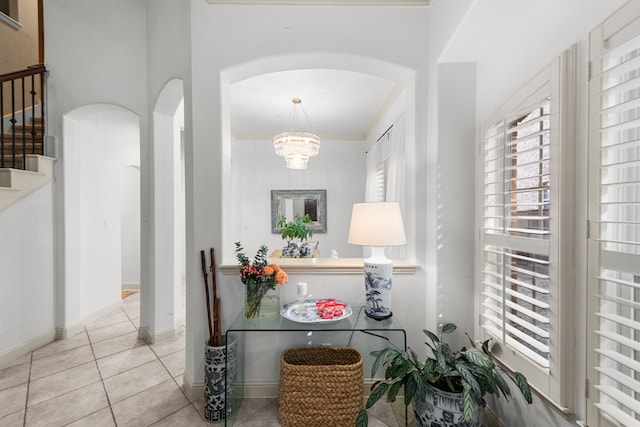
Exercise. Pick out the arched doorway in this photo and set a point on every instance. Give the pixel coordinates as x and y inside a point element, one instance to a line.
<point>162,300</point>
<point>100,140</point>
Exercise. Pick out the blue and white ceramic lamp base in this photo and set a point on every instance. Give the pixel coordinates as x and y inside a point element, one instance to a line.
<point>377,281</point>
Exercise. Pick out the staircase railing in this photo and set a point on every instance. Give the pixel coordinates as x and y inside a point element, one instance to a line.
<point>22,128</point>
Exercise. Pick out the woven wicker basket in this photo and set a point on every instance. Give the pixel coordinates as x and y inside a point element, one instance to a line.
<point>320,386</point>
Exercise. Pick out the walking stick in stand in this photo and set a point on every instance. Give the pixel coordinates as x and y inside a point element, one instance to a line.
<point>206,291</point>
<point>217,321</point>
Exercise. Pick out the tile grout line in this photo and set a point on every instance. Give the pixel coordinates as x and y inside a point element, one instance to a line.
<point>176,382</point>
<point>95,360</point>
<point>26,398</point>
<point>70,391</point>
<point>91,344</point>
<point>114,336</point>
<point>159,358</point>
<point>129,317</point>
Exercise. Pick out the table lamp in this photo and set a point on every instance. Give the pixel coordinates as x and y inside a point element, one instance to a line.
<point>377,225</point>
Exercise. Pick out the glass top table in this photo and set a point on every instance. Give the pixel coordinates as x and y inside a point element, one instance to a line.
<point>261,340</point>
<point>358,321</point>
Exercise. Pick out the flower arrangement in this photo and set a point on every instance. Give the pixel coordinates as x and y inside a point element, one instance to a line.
<point>259,277</point>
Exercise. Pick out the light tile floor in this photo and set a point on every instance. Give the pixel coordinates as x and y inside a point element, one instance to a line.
<point>106,376</point>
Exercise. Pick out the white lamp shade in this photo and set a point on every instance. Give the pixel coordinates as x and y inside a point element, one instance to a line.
<point>376,224</point>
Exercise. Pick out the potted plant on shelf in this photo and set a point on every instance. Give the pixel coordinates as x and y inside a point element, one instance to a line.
<point>297,234</point>
<point>448,388</point>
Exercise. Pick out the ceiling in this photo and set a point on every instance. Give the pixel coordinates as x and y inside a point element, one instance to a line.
<point>328,2</point>
<point>340,105</point>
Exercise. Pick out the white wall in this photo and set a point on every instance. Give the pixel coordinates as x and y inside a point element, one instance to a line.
<point>374,40</point>
<point>339,169</point>
<point>167,255</point>
<point>130,226</point>
<point>112,35</point>
<point>26,273</point>
<point>455,198</point>
<point>100,141</point>
<point>111,38</point>
<point>204,41</point>
<point>120,42</point>
<point>449,168</point>
<point>168,61</point>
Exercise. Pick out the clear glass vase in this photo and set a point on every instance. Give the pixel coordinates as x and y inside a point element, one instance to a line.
<point>261,300</point>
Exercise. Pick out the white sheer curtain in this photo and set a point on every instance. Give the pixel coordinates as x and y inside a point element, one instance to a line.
<point>373,160</point>
<point>385,166</point>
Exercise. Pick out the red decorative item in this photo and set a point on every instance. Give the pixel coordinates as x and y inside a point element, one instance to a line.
<point>329,308</point>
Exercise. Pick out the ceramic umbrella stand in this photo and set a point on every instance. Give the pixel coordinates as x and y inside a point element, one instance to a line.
<point>220,366</point>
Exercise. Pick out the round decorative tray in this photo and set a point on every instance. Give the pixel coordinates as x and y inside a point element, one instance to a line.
<point>288,311</point>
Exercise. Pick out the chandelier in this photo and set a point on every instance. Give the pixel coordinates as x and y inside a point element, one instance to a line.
<point>296,146</point>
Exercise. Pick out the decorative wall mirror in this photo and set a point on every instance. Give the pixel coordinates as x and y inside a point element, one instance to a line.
<point>292,203</point>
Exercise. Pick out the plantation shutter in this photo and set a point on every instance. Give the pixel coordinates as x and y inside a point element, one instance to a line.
<point>377,163</point>
<point>614,252</point>
<point>515,234</point>
<point>381,182</point>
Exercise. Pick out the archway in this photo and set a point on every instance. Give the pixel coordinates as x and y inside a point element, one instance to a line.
<point>161,304</point>
<point>99,141</point>
<point>367,68</point>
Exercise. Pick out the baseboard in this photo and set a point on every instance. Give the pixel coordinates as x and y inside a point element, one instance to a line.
<point>130,286</point>
<point>490,418</point>
<point>193,390</point>
<point>26,347</point>
<point>144,333</point>
<point>261,389</point>
<point>366,389</point>
<point>62,333</point>
<point>70,330</point>
<point>253,389</point>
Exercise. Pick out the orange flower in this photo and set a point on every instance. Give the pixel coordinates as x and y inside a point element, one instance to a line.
<point>275,267</point>
<point>268,270</point>
<point>281,277</point>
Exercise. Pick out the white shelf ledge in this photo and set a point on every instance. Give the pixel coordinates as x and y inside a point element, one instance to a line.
<point>325,266</point>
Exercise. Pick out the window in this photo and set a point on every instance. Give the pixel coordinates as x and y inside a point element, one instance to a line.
<point>380,194</point>
<point>614,217</point>
<point>378,158</point>
<point>524,146</point>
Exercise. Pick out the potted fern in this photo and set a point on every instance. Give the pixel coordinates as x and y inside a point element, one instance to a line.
<point>297,233</point>
<point>448,388</point>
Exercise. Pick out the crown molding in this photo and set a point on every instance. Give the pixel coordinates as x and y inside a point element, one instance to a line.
<point>325,2</point>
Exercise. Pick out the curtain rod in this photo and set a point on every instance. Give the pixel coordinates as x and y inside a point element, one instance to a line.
<point>384,133</point>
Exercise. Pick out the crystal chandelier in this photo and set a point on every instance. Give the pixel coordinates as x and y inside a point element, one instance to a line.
<point>296,146</point>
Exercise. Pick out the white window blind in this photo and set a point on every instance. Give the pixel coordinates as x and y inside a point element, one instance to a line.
<point>381,182</point>
<point>614,252</point>
<point>515,273</point>
<point>525,279</point>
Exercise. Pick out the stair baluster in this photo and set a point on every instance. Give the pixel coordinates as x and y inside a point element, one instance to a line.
<point>15,115</point>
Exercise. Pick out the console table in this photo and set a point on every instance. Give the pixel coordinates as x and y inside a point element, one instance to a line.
<point>357,330</point>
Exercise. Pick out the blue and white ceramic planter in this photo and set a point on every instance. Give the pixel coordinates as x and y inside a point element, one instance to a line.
<point>299,250</point>
<point>443,409</point>
<point>218,362</point>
